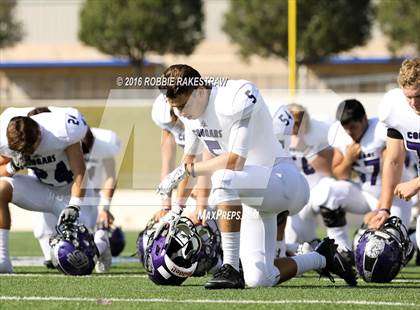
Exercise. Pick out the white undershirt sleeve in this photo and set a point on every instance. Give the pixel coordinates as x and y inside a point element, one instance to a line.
<point>239,138</point>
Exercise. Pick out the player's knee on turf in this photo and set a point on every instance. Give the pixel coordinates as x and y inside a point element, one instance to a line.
<point>333,218</point>
<point>222,190</point>
<point>260,278</point>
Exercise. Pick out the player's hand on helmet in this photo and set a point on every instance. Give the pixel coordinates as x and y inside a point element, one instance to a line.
<point>165,208</point>
<point>368,217</point>
<point>172,180</point>
<point>408,189</point>
<point>198,216</point>
<point>69,214</point>
<point>169,222</point>
<point>376,219</point>
<point>106,218</point>
<point>159,214</point>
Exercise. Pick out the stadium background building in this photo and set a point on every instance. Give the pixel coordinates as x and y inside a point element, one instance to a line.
<point>50,63</point>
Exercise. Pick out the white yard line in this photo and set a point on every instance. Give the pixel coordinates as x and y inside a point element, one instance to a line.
<point>53,275</point>
<point>36,261</point>
<point>208,301</point>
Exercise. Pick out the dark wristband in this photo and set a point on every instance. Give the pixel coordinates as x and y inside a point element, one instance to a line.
<point>386,210</point>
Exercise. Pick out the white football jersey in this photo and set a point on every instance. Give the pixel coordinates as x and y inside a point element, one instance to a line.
<point>161,115</point>
<point>313,141</point>
<point>373,142</point>
<point>59,129</point>
<point>396,113</point>
<point>11,112</point>
<point>106,146</point>
<point>235,108</point>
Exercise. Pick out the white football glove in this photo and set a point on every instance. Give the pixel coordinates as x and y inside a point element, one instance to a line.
<point>17,163</point>
<point>171,181</point>
<point>169,220</point>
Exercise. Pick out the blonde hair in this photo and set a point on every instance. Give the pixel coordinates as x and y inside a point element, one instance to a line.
<point>296,108</point>
<point>409,75</point>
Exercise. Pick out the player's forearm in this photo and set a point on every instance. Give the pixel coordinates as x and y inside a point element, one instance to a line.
<point>392,168</point>
<point>184,191</point>
<point>322,163</point>
<point>168,164</point>
<point>78,168</point>
<point>167,153</point>
<point>78,189</point>
<point>3,169</point>
<point>109,188</point>
<point>391,176</point>
<point>109,184</point>
<point>343,170</point>
<point>202,189</point>
<point>185,186</point>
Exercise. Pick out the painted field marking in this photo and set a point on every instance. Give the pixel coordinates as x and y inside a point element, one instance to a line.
<point>208,301</point>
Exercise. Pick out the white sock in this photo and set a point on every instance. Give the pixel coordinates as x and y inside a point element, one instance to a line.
<point>309,261</point>
<point>340,236</point>
<point>292,247</point>
<point>413,239</point>
<point>230,246</point>
<point>5,263</point>
<point>281,248</point>
<point>44,242</point>
<point>418,232</point>
<point>100,240</point>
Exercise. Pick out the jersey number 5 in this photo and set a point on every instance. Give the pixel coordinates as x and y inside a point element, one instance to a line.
<point>212,146</point>
<point>250,96</point>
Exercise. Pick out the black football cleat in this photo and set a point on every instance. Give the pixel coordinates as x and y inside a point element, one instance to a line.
<point>226,277</point>
<point>347,255</point>
<point>49,264</point>
<point>335,263</point>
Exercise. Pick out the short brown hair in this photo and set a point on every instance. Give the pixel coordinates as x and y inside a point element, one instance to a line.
<point>87,141</point>
<point>23,133</point>
<point>38,111</point>
<point>410,73</point>
<point>176,73</point>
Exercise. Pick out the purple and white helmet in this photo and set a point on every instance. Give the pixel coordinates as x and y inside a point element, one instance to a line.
<point>211,249</point>
<point>143,238</point>
<point>357,235</point>
<point>116,240</point>
<point>172,262</point>
<point>380,254</point>
<point>73,250</point>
